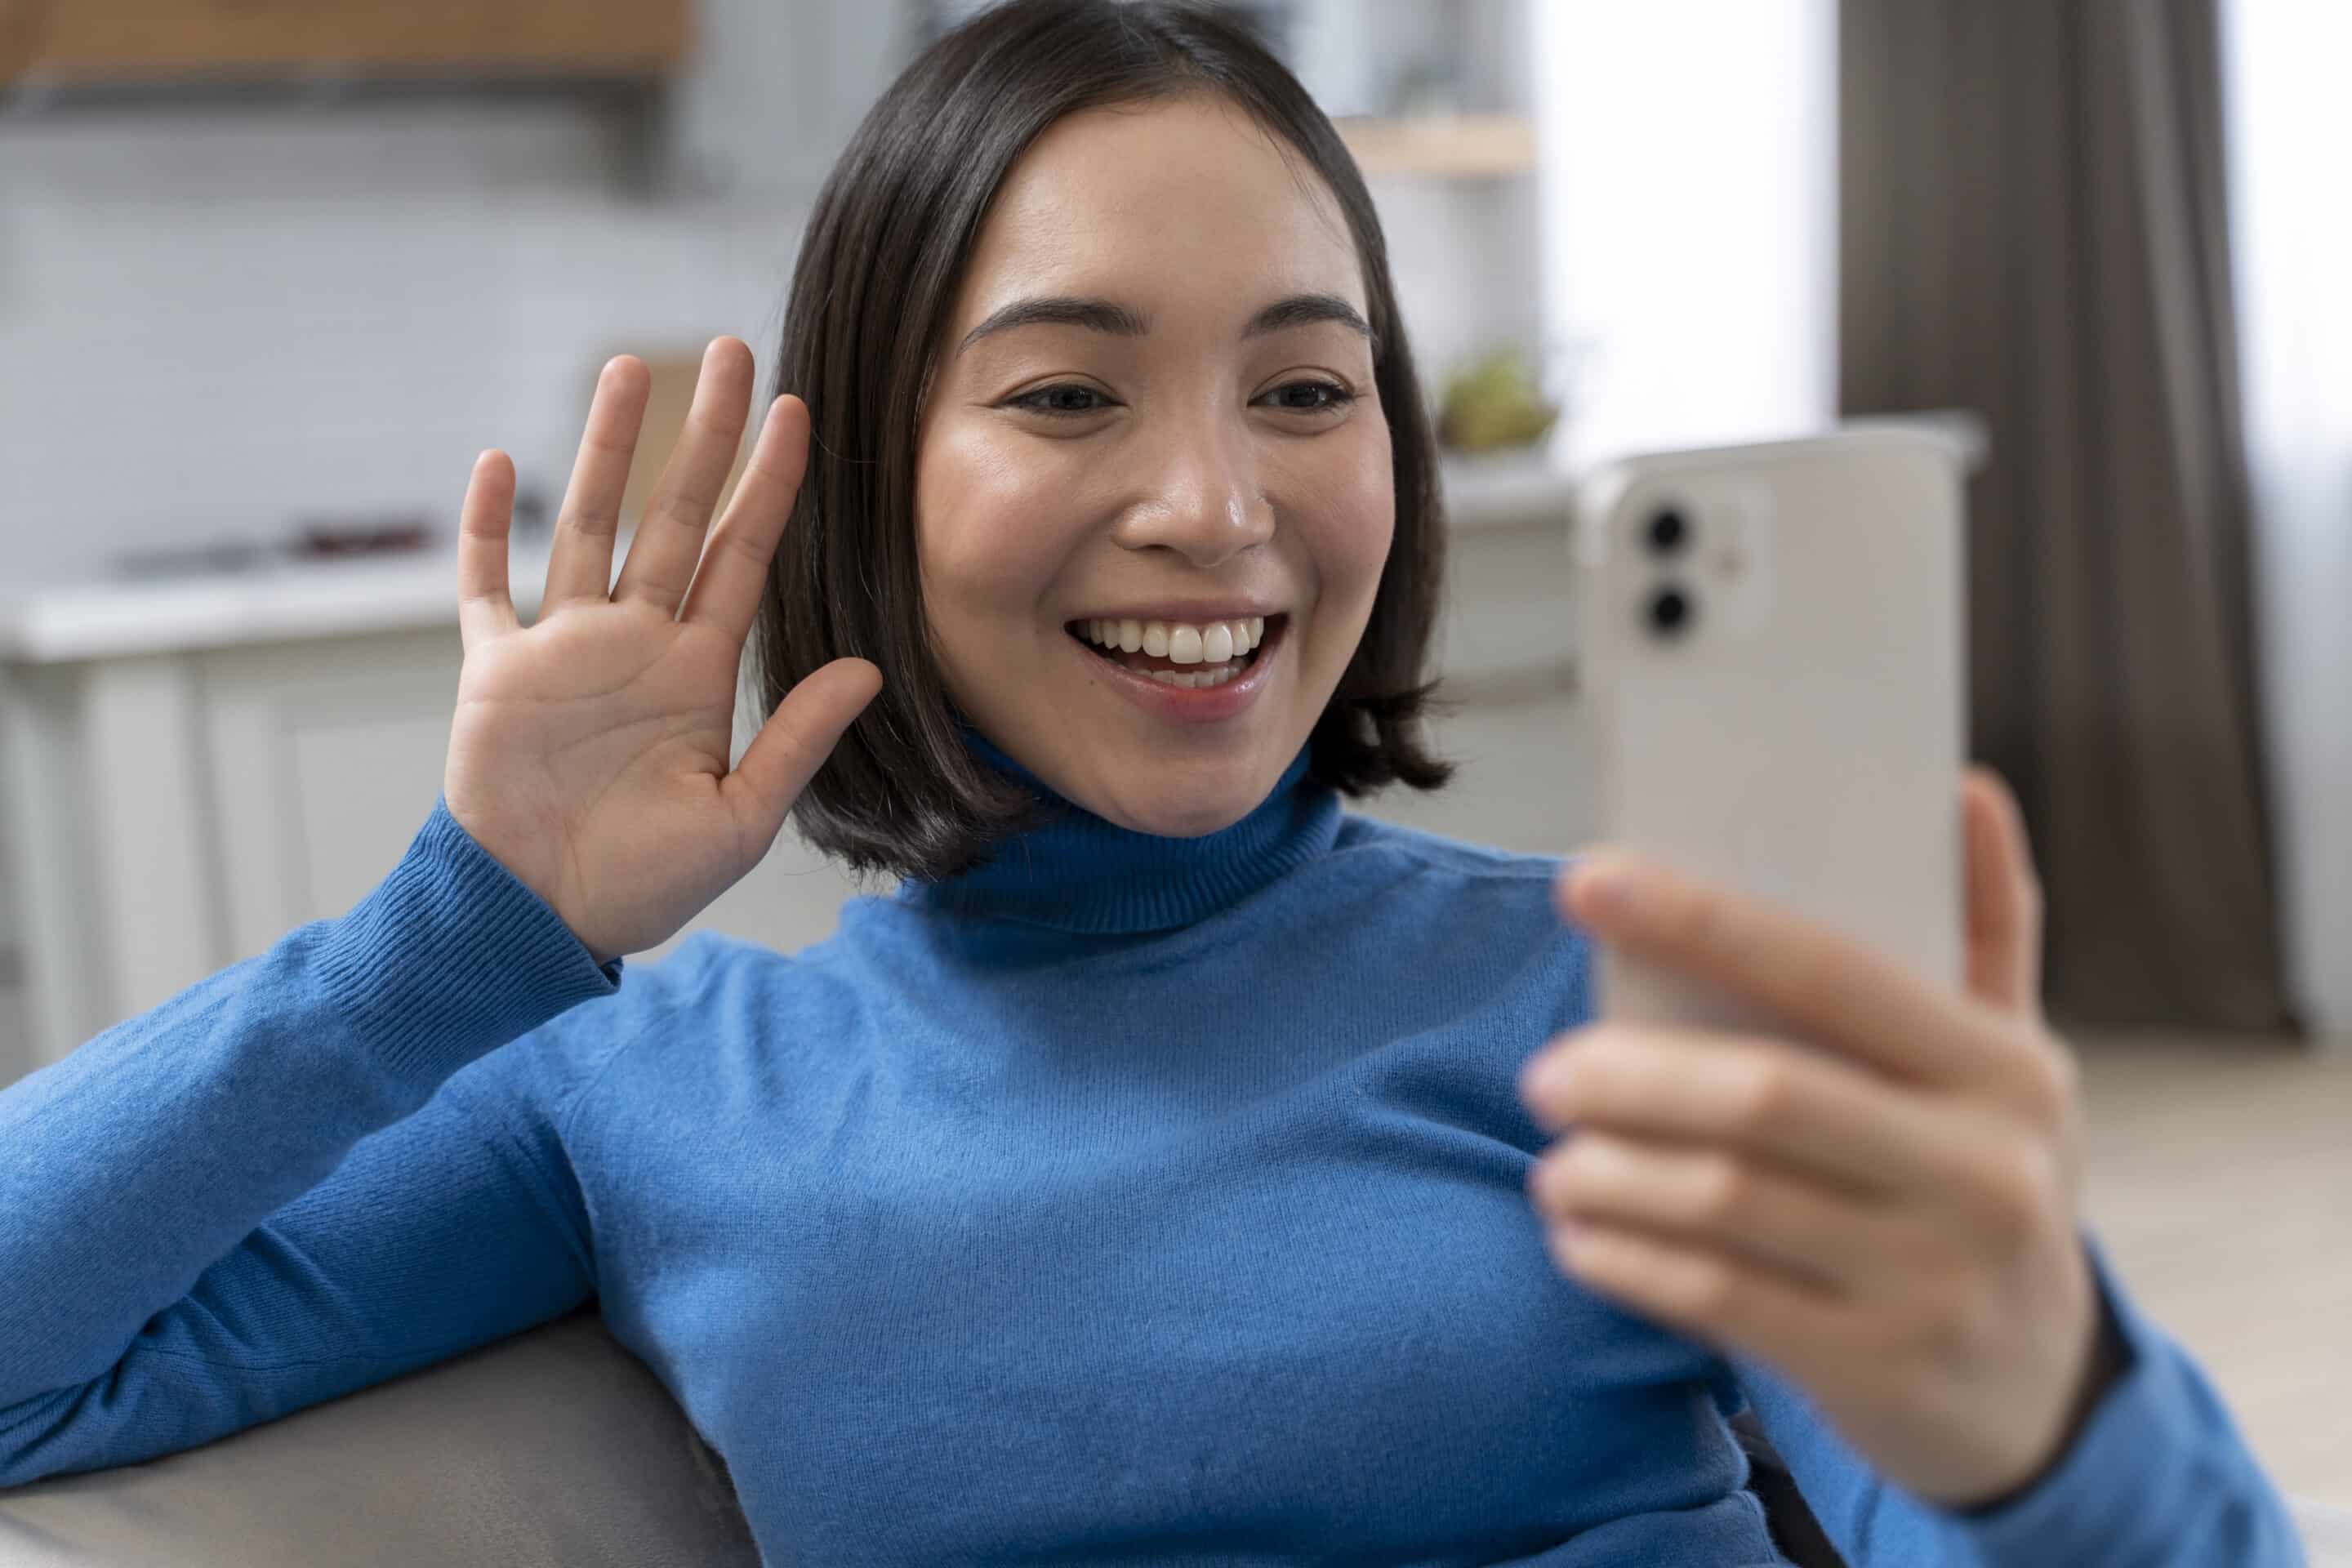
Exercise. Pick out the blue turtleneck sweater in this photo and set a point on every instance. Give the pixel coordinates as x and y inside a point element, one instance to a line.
<point>1126,1198</point>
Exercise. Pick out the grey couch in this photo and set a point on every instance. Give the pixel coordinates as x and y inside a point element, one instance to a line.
<point>556,1448</point>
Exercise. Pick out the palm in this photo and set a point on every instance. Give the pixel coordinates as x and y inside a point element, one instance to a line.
<point>610,730</point>
<point>590,753</point>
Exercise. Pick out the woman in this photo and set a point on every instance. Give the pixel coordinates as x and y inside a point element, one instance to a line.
<point>1154,1172</point>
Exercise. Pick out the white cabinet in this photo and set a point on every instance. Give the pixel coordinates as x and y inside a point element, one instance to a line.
<point>1508,714</point>
<point>317,756</point>
<point>177,809</point>
<point>193,772</point>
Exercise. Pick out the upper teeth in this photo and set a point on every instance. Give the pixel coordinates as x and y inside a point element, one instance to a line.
<point>1210,642</point>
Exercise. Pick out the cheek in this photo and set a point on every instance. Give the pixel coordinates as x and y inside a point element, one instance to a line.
<point>1353,523</point>
<point>987,527</point>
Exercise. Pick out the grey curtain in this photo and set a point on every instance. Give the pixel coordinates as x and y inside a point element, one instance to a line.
<point>2033,224</point>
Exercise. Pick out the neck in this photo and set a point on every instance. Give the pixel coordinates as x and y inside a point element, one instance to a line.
<point>1081,872</point>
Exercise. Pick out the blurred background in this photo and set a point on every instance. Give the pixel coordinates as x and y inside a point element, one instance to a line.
<point>272,273</point>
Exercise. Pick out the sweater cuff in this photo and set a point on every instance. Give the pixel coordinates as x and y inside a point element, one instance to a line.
<point>2152,1455</point>
<point>450,956</point>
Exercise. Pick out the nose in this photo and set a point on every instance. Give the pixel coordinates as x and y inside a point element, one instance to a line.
<point>1203,497</point>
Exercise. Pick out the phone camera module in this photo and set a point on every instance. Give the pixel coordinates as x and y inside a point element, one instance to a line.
<point>1670,612</point>
<point>1667,531</point>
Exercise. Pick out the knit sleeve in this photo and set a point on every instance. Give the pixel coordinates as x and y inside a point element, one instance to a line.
<point>256,1196</point>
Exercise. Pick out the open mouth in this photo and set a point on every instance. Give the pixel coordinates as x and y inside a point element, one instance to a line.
<point>1203,671</point>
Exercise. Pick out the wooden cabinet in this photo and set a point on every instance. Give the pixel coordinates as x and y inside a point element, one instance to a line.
<point>149,41</point>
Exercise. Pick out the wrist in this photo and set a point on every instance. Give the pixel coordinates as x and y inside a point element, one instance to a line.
<point>2110,1358</point>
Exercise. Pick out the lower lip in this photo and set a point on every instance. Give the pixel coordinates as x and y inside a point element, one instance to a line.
<point>1199,705</point>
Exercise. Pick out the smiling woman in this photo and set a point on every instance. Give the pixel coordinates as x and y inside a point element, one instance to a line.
<point>1138,358</point>
<point>1194,473</point>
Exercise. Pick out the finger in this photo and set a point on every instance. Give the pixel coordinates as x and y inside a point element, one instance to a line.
<point>485,610</point>
<point>669,534</point>
<point>734,574</point>
<point>794,743</point>
<point>2004,897</point>
<point>1715,1297</point>
<point>579,564</point>
<point>1822,1237</point>
<point>1803,1109</point>
<point>1822,984</point>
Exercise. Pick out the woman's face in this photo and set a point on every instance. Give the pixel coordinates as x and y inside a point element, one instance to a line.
<point>1187,433</point>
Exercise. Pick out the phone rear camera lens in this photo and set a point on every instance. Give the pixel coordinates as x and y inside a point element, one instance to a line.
<point>1667,531</point>
<point>1670,611</point>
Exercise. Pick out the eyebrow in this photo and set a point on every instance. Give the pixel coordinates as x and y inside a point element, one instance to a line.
<point>1109,316</point>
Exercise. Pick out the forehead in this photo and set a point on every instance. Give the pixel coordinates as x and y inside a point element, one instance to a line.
<point>1191,194</point>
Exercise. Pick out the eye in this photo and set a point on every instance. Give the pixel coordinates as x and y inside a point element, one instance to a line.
<point>1335,396</point>
<point>1033,401</point>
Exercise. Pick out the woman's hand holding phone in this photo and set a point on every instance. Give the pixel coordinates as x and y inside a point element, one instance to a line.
<point>590,752</point>
<point>1885,1210</point>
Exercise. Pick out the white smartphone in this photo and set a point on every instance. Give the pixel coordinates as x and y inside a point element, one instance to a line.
<point>1774,664</point>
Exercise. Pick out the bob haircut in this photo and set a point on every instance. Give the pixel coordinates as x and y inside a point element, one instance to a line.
<point>880,263</point>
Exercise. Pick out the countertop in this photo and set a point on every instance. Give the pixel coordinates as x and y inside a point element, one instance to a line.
<point>344,598</point>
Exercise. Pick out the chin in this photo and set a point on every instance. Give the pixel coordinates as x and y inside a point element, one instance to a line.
<point>1197,825</point>
<point>1184,814</point>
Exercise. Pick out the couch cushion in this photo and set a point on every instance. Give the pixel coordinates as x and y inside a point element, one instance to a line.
<point>555,1448</point>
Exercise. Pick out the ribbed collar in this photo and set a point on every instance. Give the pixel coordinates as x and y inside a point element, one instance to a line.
<point>1081,872</point>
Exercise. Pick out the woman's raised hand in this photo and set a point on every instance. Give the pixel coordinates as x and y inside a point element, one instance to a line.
<point>588,755</point>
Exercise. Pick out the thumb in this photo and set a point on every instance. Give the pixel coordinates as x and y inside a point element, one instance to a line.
<point>795,740</point>
<point>2005,897</point>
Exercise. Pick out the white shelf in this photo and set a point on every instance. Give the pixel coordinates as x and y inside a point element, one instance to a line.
<point>1517,489</point>
<point>281,602</point>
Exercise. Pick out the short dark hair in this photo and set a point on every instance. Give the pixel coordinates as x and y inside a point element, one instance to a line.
<point>880,265</point>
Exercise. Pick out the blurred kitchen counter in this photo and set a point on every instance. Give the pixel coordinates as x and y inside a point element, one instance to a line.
<point>1498,496</point>
<point>280,603</point>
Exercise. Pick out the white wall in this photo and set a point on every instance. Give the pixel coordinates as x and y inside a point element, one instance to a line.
<point>2291,121</point>
<point>1689,158</point>
<point>216,319</point>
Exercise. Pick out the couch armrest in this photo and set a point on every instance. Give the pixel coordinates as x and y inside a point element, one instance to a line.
<point>555,1448</point>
